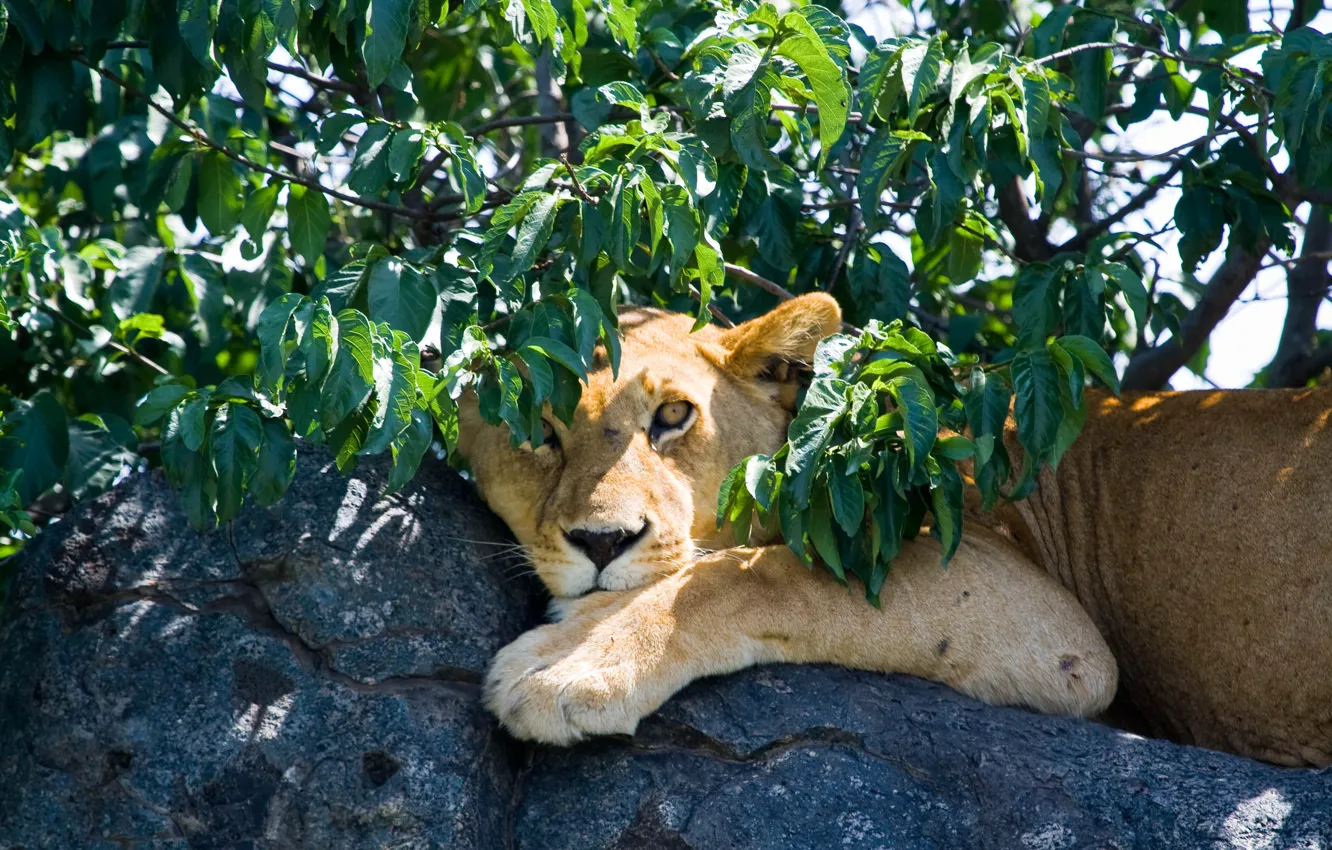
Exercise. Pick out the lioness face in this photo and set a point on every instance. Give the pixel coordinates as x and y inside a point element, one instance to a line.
<point>628,492</point>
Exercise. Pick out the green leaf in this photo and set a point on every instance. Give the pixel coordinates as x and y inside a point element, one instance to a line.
<point>541,15</point>
<point>1091,68</point>
<point>1036,407</point>
<point>964,255</point>
<point>1035,303</point>
<point>370,168</point>
<point>401,296</point>
<point>395,391</point>
<point>272,333</point>
<point>1093,357</point>
<point>409,448</point>
<point>233,442</point>
<point>555,350</point>
<point>220,200</point>
<point>1036,96</point>
<point>37,442</point>
<point>848,498</point>
<point>1048,37</point>
<point>405,153</point>
<point>193,424</point>
<point>157,403</point>
<point>731,484</point>
<point>533,234</point>
<point>810,433</point>
<point>883,155</point>
<point>826,79</point>
<point>259,207</point>
<point>920,68</point>
<point>351,374</point>
<point>308,222</point>
<point>919,417</point>
<point>822,536</point>
<point>1135,293</point>
<point>946,505</point>
<point>386,25</point>
<point>334,128</point>
<point>197,19</point>
<point>622,20</point>
<point>276,465</point>
<point>192,472</point>
<point>747,90</point>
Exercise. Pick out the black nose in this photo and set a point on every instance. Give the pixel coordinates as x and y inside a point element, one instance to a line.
<point>602,547</point>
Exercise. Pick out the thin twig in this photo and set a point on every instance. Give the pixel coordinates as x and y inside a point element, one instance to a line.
<point>203,139</point>
<point>124,349</point>
<point>852,230</point>
<point>759,280</point>
<point>1313,255</point>
<point>1083,239</point>
<point>1140,157</point>
<point>313,79</point>
<point>519,121</point>
<point>1156,51</point>
<point>577,186</point>
<point>663,67</point>
<point>721,317</point>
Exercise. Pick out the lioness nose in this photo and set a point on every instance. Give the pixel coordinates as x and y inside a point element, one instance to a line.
<point>604,546</point>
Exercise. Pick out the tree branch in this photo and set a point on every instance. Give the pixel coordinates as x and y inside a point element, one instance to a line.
<point>202,138</point>
<point>1029,240</point>
<point>1083,239</point>
<point>1143,157</point>
<point>1306,287</point>
<point>314,79</point>
<point>852,232</point>
<point>1151,368</point>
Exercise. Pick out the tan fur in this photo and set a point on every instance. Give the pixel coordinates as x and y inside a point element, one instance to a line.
<point>993,625</point>
<point>1194,528</point>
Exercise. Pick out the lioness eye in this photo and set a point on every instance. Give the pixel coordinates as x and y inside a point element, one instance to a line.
<point>672,415</point>
<point>548,435</point>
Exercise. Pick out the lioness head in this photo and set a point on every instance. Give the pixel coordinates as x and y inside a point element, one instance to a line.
<point>629,491</point>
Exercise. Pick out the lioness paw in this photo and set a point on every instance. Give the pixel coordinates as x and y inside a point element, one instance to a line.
<point>556,698</point>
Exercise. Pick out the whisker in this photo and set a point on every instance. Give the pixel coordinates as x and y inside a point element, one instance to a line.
<point>478,542</point>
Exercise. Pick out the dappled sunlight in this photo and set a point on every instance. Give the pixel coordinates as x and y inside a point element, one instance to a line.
<point>353,499</point>
<point>262,722</point>
<point>1256,822</point>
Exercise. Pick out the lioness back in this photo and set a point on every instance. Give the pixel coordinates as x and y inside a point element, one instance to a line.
<point>1194,527</point>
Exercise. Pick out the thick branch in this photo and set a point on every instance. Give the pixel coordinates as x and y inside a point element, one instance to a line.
<point>1151,368</point>
<point>1029,242</point>
<point>1306,287</point>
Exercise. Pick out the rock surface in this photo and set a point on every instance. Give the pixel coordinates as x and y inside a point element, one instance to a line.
<point>309,679</point>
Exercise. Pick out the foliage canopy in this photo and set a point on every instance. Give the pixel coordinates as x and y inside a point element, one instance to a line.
<point>230,224</point>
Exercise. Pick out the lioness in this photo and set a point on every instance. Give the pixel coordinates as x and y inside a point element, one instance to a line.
<point>623,502</point>
<point>1191,526</point>
<point>1194,529</point>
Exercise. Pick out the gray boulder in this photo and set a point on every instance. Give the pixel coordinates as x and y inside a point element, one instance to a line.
<point>309,678</point>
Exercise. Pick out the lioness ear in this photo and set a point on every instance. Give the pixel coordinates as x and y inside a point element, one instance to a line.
<point>789,334</point>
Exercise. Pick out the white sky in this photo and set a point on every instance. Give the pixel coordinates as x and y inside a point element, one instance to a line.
<point>1245,341</point>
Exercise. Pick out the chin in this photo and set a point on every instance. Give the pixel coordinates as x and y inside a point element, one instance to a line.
<point>570,582</point>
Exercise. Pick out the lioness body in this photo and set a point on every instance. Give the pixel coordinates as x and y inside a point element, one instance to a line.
<point>1194,528</point>
<point>622,501</point>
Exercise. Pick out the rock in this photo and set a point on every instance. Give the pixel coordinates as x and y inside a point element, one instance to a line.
<point>309,679</point>
<point>822,757</point>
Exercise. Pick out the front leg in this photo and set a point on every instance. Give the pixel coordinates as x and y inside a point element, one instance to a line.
<point>612,659</point>
<point>992,625</point>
